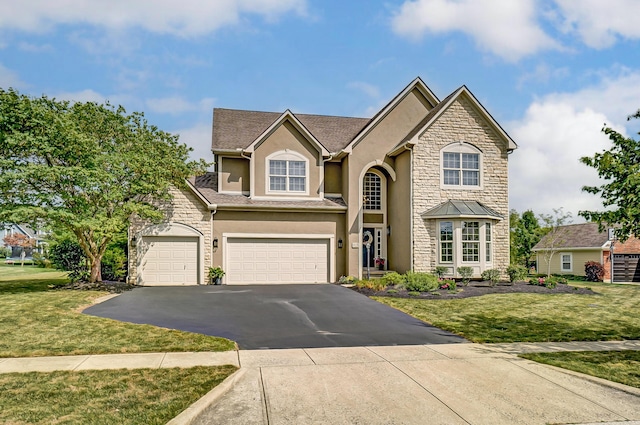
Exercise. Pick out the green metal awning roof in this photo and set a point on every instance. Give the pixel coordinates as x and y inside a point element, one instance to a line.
<point>461,209</point>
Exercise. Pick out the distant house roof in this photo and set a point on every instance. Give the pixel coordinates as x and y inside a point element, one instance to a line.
<point>453,209</point>
<point>236,129</point>
<point>207,187</point>
<point>584,235</point>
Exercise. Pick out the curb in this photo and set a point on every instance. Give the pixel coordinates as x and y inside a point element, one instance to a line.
<point>192,412</point>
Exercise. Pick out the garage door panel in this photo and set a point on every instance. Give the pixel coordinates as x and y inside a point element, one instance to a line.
<point>277,260</point>
<point>169,260</point>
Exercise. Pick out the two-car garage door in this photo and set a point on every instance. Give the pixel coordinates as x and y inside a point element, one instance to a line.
<point>277,260</point>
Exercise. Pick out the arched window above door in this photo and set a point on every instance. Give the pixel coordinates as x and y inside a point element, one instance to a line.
<point>372,192</point>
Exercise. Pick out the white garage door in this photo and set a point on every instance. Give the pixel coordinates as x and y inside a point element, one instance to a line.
<point>254,260</point>
<point>169,260</point>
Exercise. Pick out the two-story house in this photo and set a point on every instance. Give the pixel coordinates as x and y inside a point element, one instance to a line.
<point>298,198</point>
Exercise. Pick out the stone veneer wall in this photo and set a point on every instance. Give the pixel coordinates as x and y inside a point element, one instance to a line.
<point>185,208</point>
<point>460,122</point>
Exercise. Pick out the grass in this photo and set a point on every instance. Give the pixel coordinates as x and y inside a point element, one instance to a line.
<point>503,318</point>
<point>38,321</point>
<point>618,366</point>
<point>141,396</point>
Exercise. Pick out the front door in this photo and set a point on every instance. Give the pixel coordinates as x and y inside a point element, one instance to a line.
<point>368,257</point>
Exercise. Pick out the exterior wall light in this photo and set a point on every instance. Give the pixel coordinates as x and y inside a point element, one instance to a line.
<point>134,242</point>
<point>215,243</point>
<point>340,243</point>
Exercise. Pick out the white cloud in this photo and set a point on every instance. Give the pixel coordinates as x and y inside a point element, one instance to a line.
<point>9,78</point>
<point>599,23</point>
<point>490,22</point>
<point>197,137</point>
<point>185,18</point>
<point>176,105</point>
<point>558,130</point>
<point>366,88</point>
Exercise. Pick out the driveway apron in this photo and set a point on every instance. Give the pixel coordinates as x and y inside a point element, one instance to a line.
<point>274,316</point>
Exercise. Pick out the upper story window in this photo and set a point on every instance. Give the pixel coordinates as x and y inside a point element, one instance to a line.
<point>287,172</point>
<point>460,166</point>
<point>372,192</point>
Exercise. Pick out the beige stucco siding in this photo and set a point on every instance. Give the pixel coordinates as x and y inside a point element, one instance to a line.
<point>281,224</point>
<point>460,122</point>
<point>399,208</point>
<point>386,135</point>
<point>233,175</point>
<point>286,137</point>
<point>332,178</point>
<point>578,259</point>
<point>185,208</point>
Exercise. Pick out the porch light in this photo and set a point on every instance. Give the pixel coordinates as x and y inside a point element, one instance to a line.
<point>339,243</point>
<point>388,230</point>
<point>215,243</point>
<point>134,241</point>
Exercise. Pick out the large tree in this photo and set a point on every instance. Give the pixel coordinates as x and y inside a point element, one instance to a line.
<point>620,167</point>
<point>84,167</point>
<point>525,234</point>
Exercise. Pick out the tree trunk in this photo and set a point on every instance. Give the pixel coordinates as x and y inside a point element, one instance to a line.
<point>96,272</point>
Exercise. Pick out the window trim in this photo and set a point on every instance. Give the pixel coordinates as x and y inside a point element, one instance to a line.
<point>562,269</point>
<point>461,148</point>
<point>380,187</point>
<point>286,155</point>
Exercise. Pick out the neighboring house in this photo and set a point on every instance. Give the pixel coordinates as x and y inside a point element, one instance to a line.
<point>293,196</point>
<point>578,243</point>
<point>8,229</point>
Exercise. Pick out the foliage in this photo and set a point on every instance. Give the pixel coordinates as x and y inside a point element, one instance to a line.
<point>101,166</point>
<point>216,272</point>
<point>440,271</point>
<point>373,284</point>
<point>620,168</point>
<point>41,261</point>
<point>553,237</point>
<point>5,252</point>
<point>449,284</point>
<point>517,273</point>
<point>593,271</point>
<point>19,240</point>
<point>491,275</point>
<point>114,263</point>
<point>345,280</point>
<point>525,233</point>
<point>548,282</point>
<point>69,256</point>
<point>465,273</point>
<point>420,282</point>
<point>393,278</point>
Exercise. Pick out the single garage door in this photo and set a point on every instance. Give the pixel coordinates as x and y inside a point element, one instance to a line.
<point>626,267</point>
<point>271,261</point>
<point>169,260</point>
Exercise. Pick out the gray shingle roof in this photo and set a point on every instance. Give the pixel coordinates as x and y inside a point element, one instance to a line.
<point>454,208</point>
<point>207,186</point>
<point>233,128</point>
<point>584,235</point>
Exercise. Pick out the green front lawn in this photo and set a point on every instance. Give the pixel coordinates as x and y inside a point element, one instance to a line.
<point>140,396</point>
<point>38,321</point>
<point>618,366</point>
<point>611,315</point>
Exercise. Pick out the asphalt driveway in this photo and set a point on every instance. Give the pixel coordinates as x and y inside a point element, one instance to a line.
<point>274,316</point>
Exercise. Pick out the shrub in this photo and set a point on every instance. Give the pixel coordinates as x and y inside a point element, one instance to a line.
<point>5,252</point>
<point>421,282</point>
<point>491,275</point>
<point>465,273</point>
<point>594,271</point>
<point>548,282</point>
<point>393,278</point>
<point>373,284</point>
<point>345,280</point>
<point>113,265</point>
<point>449,284</point>
<point>440,271</point>
<point>69,256</point>
<point>516,273</point>
<point>40,261</point>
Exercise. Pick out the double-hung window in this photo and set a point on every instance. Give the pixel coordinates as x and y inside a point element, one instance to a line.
<point>470,241</point>
<point>460,166</point>
<point>287,175</point>
<point>446,242</point>
<point>566,262</point>
<point>487,239</point>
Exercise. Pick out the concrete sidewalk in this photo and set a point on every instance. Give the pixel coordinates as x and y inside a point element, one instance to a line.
<point>417,384</point>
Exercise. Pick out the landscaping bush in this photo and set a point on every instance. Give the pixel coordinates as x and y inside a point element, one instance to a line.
<point>420,282</point>
<point>5,252</point>
<point>594,271</point>
<point>345,280</point>
<point>373,284</point>
<point>548,282</point>
<point>393,278</point>
<point>113,265</point>
<point>40,261</point>
<point>465,273</point>
<point>69,256</point>
<point>516,273</point>
<point>491,275</point>
<point>449,284</point>
<point>440,271</point>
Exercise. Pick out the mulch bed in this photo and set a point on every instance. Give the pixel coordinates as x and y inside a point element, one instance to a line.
<point>476,289</point>
<point>113,287</point>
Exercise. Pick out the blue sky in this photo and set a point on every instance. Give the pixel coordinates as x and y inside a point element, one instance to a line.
<point>552,72</point>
